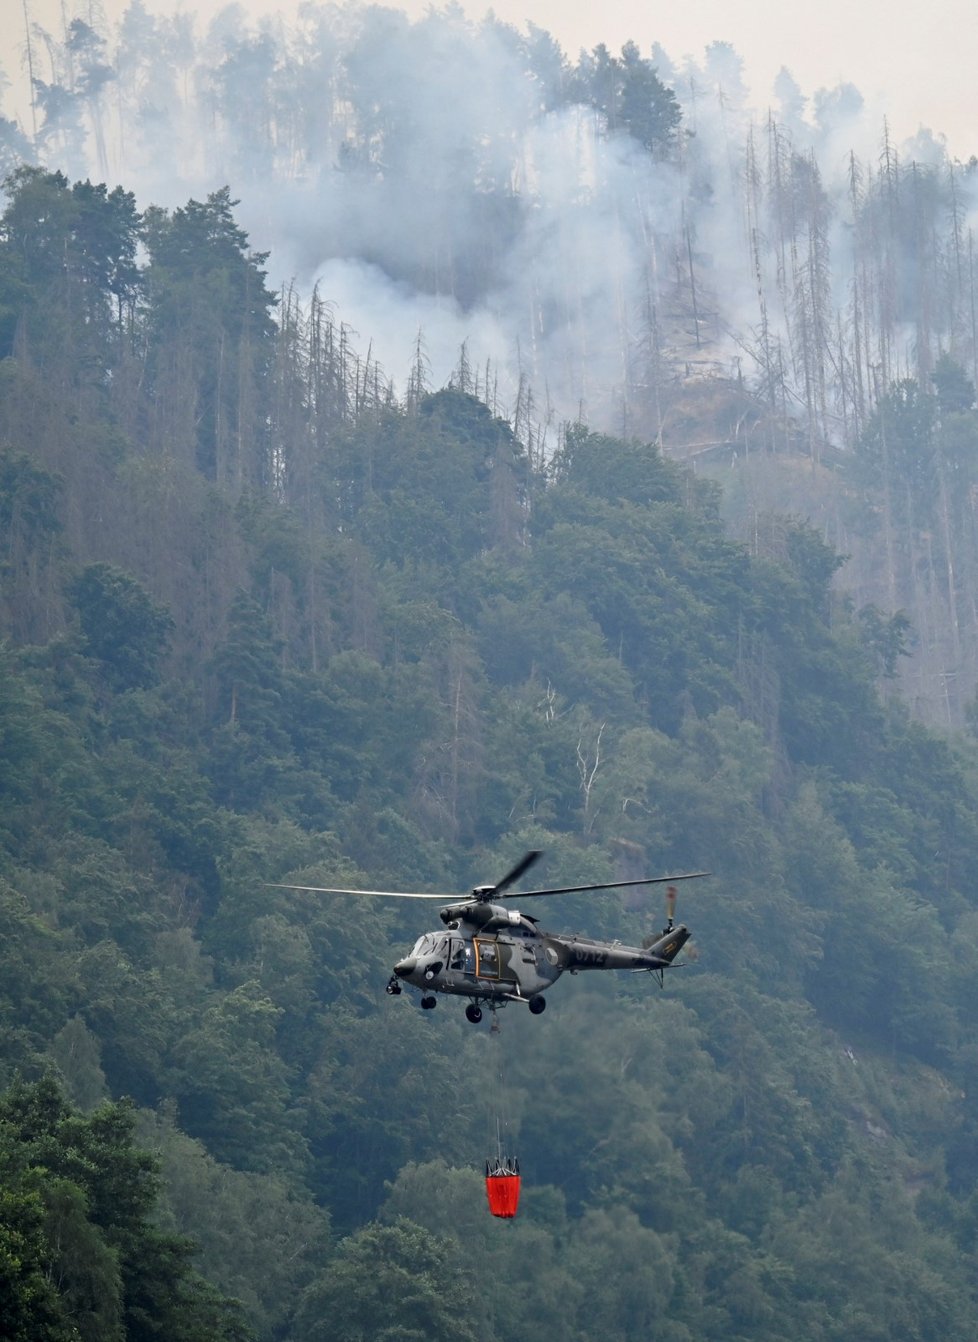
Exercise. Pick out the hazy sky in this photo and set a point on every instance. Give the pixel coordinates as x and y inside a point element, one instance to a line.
<point>917,64</point>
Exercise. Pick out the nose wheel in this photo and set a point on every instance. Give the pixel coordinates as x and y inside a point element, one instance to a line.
<point>394,986</point>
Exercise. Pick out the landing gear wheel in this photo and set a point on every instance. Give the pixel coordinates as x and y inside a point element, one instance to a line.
<point>537,1004</point>
<point>473,1013</point>
<point>394,988</point>
<point>429,1002</point>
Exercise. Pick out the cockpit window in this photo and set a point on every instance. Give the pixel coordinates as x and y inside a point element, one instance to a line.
<point>430,945</point>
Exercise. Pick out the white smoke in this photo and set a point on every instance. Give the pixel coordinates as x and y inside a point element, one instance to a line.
<point>426,178</point>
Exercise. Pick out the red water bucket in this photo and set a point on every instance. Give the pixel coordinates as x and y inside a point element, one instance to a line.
<point>502,1191</point>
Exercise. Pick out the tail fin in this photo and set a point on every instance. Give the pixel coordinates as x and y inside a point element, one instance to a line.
<point>666,945</point>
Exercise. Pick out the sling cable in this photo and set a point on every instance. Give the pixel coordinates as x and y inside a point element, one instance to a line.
<point>502,1168</point>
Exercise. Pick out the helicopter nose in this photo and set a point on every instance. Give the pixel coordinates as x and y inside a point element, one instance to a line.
<point>405,967</point>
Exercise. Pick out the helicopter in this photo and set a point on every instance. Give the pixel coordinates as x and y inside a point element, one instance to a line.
<point>494,955</point>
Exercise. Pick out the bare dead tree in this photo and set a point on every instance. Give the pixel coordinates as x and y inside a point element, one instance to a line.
<point>588,766</point>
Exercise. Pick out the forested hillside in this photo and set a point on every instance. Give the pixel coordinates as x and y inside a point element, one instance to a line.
<point>266,620</point>
<point>620,238</point>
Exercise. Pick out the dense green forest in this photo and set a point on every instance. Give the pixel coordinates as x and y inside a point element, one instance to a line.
<point>266,621</point>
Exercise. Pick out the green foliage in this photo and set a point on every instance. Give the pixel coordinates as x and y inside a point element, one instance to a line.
<point>601,467</point>
<point>210,330</point>
<point>437,487</point>
<point>955,390</point>
<point>885,639</point>
<point>631,96</point>
<point>68,257</point>
<point>394,1283</point>
<point>121,625</point>
<point>28,504</point>
<point>396,651</point>
<point>42,759</point>
<point>896,451</point>
<point>666,590</point>
<point>260,1240</point>
<point>231,1085</point>
<point>79,1250</point>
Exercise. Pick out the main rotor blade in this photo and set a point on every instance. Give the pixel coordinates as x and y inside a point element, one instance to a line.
<point>609,885</point>
<point>385,894</point>
<point>525,862</point>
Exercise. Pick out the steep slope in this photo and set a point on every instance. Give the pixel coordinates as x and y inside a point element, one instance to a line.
<point>359,641</point>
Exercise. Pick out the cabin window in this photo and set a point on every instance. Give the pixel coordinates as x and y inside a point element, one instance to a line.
<point>487,960</point>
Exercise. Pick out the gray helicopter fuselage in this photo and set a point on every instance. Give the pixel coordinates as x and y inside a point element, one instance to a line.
<point>495,954</point>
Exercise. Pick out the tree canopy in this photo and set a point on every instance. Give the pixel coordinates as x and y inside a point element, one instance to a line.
<point>353,641</point>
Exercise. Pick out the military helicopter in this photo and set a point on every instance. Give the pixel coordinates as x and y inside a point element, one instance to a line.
<point>494,955</point>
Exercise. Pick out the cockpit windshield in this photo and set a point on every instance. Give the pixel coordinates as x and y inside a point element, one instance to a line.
<point>429,945</point>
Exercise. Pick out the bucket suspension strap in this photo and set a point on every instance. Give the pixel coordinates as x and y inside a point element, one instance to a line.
<point>502,1168</point>
<point>499,1126</point>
